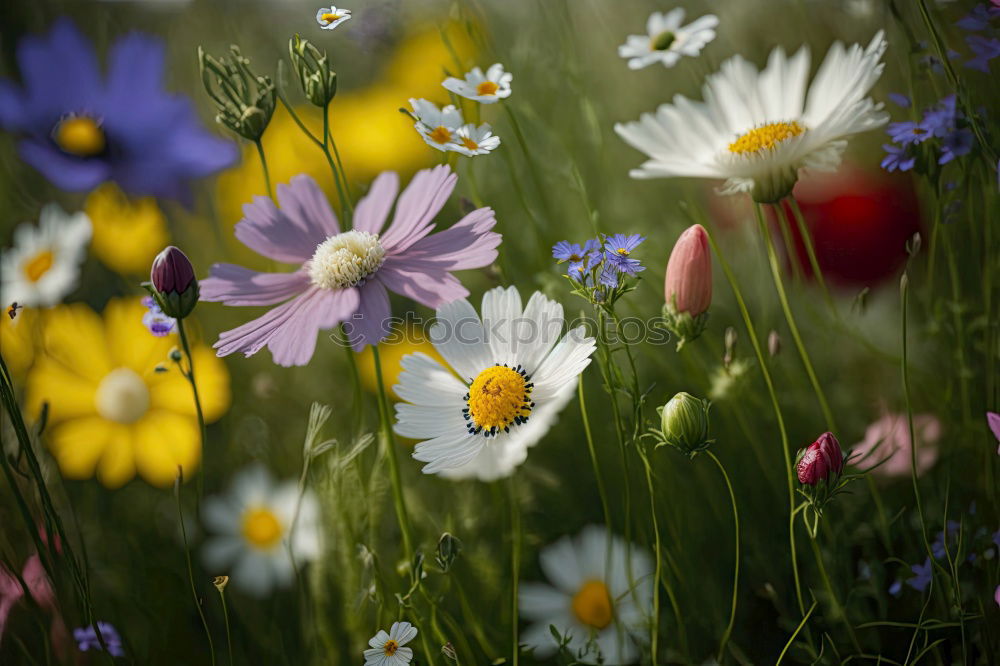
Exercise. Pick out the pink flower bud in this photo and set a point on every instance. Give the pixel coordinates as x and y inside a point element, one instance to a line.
<point>688,285</point>
<point>172,271</point>
<point>821,460</point>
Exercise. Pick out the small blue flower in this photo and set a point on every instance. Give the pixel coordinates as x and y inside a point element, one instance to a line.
<point>897,157</point>
<point>581,259</point>
<point>940,120</point>
<point>158,323</point>
<point>908,132</point>
<point>900,100</point>
<point>984,49</point>
<point>921,576</point>
<point>896,588</point>
<point>609,275</point>
<point>979,18</point>
<point>996,538</point>
<point>617,249</point>
<point>956,144</point>
<point>86,639</point>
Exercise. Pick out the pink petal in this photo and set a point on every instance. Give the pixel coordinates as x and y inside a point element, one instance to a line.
<point>421,281</point>
<point>289,234</point>
<point>993,419</point>
<point>38,583</point>
<point>307,207</point>
<point>371,322</point>
<point>371,212</point>
<point>236,285</point>
<point>468,244</point>
<point>422,199</point>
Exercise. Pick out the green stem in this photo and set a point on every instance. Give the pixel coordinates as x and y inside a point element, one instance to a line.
<point>345,202</point>
<point>225,615</point>
<point>189,375</point>
<point>791,639</point>
<point>263,164</point>
<point>736,569</point>
<point>187,557</point>
<point>655,624</point>
<point>515,565</point>
<point>838,609</point>
<point>806,236</point>
<point>593,452</point>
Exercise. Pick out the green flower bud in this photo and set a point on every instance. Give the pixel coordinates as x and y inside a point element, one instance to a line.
<point>312,67</point>
<point>245,101</point>
<point>684,423</point>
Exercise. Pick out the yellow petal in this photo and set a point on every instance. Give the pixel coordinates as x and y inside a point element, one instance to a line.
<point>68,394</point>
<point>170,390</point>
<point>77,445</point>
<point>128,233</point>
<point>74,337</point>
<point>165,441</point>
<point>117,465</point>
<point>131,344</point>
<point>17,340</point>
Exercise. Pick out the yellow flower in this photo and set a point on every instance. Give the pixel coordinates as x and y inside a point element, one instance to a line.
<point>17,339</point>
<point>128,233</point>
<point>110,413</point>
<point>399,343</point>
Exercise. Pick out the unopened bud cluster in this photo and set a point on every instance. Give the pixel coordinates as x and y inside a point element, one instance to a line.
<point>312,68</point>
<point>244,100</point>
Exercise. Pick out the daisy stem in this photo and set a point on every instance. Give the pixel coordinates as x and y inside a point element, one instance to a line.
<point>779,286</point>
<point>225,615</point>
<point>515,564</point>
<point>593,452</point>
<point>189,375</point>
<point>736,568</point>
<point>187,557</point>
<point>263,164</point>
<point>389,448</point>
<point>654,629</point>
<point>806,235</point>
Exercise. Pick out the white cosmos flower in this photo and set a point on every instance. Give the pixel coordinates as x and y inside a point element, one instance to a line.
<point>254,541</point>
<point>757,129</point>
<point>330,17</point>
<point>514,375</point>
<point>437,126</point>
<point>44,264</point>
<point>667,40</point>
<point>589,599</point>
<point>470,140</point>
<point>484,88</point>
<point>387,648</point>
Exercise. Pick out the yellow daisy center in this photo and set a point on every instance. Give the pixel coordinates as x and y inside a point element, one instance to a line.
<point>663,41</point>
<point>346,260</point>
<point>330,18</point>
<point>469,143</point>
<point>38,265</point>
<point>622,251</point>
<point>122,396</point>
<point>390,647</point>
<point>441,134</point>
<point>592,605</point>
<point>487,88</point>
<point>765,137</point>
<point>499,397</point>
<point>80,135</point>
<point>261,528</point>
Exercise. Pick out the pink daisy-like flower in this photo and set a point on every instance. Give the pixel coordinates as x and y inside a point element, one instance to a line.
<point>888,439</point>
<point>344,276</point>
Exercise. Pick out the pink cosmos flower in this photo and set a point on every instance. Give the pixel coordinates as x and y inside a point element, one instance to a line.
<point>889,437</point>
<point>37,581</point>
<point>343,276</point>
<point>993,419</point>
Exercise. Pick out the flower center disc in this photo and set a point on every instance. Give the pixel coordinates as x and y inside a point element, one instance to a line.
<point>499,396</point>
<point>441,134</point>
<point>345,260</point>
<point>38,265</point>
<point>664,41</point>
<point>390,648</point>
<point>122,396</point>
<point>261,528</point>
<point>80,135</point>
<point>487,88</point>
<point>765,137</point>
<point>469,143</point>
<point>592,605</point>
<point>330,18</point>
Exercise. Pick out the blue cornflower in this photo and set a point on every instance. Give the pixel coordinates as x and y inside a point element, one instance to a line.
<point>80,128</point>
<point>900,100</point>
<point>957,143</point>
<point>581,259</point>
<point>985,49</point>
<point>940,120</point>
<point>921,576</point>
<point>897,157</point>
<point>979,18</point>
<point>908,132</point>
<point>86,639</point>
<point>617,249</point>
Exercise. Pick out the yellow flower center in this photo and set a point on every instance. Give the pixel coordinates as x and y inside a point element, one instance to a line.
<point>622,251</point>
<point>330,18</point>
<point>261,528</point>
<point>80,135</point>
<point>663,41</point>
<point>592,605</point>
<point>390,647</point>
<point>346,260</point>
<point>122,396</point>
<point>499,396</point>
<point>469,143</point>
<point>38,265</point>
<point>441,134</point>
<point>765,137</point>
<point>487,88</point>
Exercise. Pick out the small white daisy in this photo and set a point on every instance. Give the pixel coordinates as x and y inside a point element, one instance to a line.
<point>757,129</point>
<point>437,126</point>
<point>330,17</point>
<point>667,40</point>
<point>484,88</point>
<point>514,376</point>
<point>254,542</point>
<point>44,264</point>
<point>387,648</point>
<point>470,140</point>
<point>590,600</point>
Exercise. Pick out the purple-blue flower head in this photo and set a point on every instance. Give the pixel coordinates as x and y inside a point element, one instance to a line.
<point>87,639</point>
<point>158,323</point>
<point>956,144</point>
<point>897,158</point>
<point>617,249</point>
<point>940,120</point>
<point>979,18</point>
<point>985,49</point>
<point>80,128</point>
<point>900,100</point>
<point>581,259</point>
<point>908,132</point>
<point>921,576</point>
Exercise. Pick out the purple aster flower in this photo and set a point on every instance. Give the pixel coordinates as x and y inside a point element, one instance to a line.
<point>617,249</point>
<point>155,320</point>
<point>80,128</point>
<point>979,18</point>
<point>941,119</point>
<point>86,639</point>
<point>900,100</point>
<point>343,276</point>
<point>897,157</point>
<point>921,576</point>
<point>908,132</point>
<point>581,259</point>
<point>609,275</point>
<point>956,144</point>
<point>985,49</point>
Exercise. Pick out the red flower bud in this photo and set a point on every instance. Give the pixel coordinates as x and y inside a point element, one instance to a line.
<point>172,271</point>
<point>688,285</point>
<point>820,460</point>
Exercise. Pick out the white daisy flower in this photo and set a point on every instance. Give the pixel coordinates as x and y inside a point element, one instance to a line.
<point>254,541</point>
<point>667,40</point>
<point>437,126</point>
<point>484,88</point>
<point>470,140</point>
<point>757,129</point>
<point>330,17</point>
<point>514,376</point>
<point>590,600</point>
<point>44,264</point>
<point>387,648</point>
